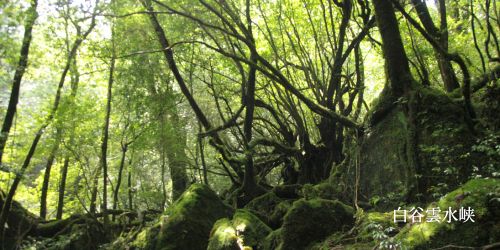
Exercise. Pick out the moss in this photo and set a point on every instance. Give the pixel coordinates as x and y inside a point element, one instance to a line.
<point>325,245</point>
<point>273,240</point>
<point>443,148</point>
<point>187,223</point>
<point>477,194</point>
<point>323,190</point>
<point>313,220</point>
<point>264,207</point>
<point>244,230</point>
<point>278,214</point>
<point>288,191</point>
<point>383,158</point>
<point>86,233</point>
<point>147,236</point>
<point>224,236</point>
<point>368,221</point>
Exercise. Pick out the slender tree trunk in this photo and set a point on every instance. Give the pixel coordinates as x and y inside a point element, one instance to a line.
<point>450,80</point>
<point>202,156</point>
<point>120,173</point>
<point>129,185</point>
<point>93,195</point>
<point>46,176</point>
<point>104,144</point>
<point>169,57</point>
<point>163,184</point>
<point>62,188</point>
<point>75,80</point>
<point>119,180</point>
<point>18,76</point>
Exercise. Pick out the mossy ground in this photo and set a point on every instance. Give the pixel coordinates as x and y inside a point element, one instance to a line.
<point>477,194</point>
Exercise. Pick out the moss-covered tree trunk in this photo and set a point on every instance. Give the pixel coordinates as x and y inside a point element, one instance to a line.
<point>399,86</point>
<point>176,155</point>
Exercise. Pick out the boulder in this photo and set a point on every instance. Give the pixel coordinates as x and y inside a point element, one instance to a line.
<point>309,221</point>
<point>187,223</point>
<point>269,208</point>
<point>245,230</point>
<point>442,146</point>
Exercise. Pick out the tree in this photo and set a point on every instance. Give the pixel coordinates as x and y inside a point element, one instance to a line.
<point>8,200</point>
<point>18,76</point>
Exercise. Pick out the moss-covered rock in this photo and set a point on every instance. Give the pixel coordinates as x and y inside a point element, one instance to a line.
<point>323,190</point>
<point>224,236</point>
<point>269,208</point>
<point>273,240</point>
<point>245,230</point>
<point>84,233</point>
<point>438,137</point>
<point>146,237</point>
<point>478,194</point>
<point>313,220</point>
<point>187,223</point>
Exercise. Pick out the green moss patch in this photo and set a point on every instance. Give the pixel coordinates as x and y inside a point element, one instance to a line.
<point>309,221</point>
<point>187,223</point>
<point>478,194</point>
<point>244,230</point>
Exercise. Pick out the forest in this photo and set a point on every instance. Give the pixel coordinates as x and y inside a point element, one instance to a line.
<point>249,124</point>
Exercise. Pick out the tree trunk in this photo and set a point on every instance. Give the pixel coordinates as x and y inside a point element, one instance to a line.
<point>62,188</point>
<point>202,156</point>
<point>104,145</point>
<point>450,80</point>
<point>119,180</point>
<point>163,183</point>
<point>75,80</point>
<point>129,185</point>
<point>46,176</point>
<point>177,158</point>
<point>396,61</point>
<point>18,76</point>
<point>249,183</point>
<point>400,83</point>
<point>93,195</point>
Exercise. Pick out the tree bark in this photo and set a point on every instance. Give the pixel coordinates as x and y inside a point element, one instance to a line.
<point>396,62</point>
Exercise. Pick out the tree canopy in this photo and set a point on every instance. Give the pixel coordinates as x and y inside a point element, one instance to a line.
<point>114,108</point>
